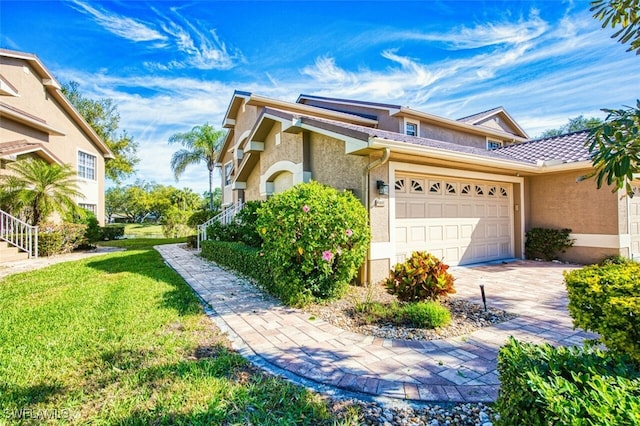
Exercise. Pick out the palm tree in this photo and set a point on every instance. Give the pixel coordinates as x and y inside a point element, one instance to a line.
<point>201,145</point>
<point>38,189</point>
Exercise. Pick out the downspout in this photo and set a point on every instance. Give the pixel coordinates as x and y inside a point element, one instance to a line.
<point>367,196</point>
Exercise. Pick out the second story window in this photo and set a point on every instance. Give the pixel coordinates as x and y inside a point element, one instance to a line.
<point>411,129</point>
<point>227,173</point>
<point>86,165</point>
<point>493,144</point>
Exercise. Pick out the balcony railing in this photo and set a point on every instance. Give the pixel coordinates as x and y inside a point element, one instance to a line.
<point>19,234</point>
<point>224,218</point>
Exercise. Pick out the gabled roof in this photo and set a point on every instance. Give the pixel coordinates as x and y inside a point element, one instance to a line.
<point>474,118</point>
<point>303,98</point>
<point>53,88</point>
<point>500,113</point>
<point>462,125</point>
<point>567,148</point>
<point>10,150</point>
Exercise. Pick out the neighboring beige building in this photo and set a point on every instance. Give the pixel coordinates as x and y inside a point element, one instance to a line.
<point>465,190</point>
<point>37,120</point>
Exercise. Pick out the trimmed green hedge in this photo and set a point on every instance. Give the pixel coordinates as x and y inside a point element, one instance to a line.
<point>248,261</point>
<point>543,385</point>
<point>606,300</point>
<point>111,232</point>
<point>60,238</point>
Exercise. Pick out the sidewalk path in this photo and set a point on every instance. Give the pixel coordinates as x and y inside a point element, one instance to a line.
<point>461,369</point>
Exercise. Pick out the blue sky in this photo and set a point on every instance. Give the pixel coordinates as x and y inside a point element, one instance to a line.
<point>171,65</point>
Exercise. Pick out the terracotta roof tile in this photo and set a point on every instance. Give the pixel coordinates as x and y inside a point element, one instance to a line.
<point>568,148</point>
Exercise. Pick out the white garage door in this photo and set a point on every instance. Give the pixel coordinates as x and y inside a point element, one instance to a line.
<point>461,221</point>
<point>634,222</point>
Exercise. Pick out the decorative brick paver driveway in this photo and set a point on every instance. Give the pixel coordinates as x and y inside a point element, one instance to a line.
<point>462,369</point>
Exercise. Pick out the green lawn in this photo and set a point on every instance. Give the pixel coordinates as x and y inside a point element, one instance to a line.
<point>143,230</point>
<point>121,339</point>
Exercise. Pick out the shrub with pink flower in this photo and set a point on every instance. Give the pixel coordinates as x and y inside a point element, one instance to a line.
<point>316,239</point>
<point>327,256</point>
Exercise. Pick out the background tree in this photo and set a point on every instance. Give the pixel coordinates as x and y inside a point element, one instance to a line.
<point>102,115</point>
<point>574,124</point>
<point>620,13</point>
<point>200,145</point>
<point>615,148</point>
<point>39,189</point>
<point>615,144</point>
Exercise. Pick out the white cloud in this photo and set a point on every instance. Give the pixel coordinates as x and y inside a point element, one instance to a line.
<point>485,34</point>
<point>121,26</point>
<point>200,48</point>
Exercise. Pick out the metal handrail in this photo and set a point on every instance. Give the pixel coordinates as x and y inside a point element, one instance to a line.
<point>225,217</point>
<point>19,234</point>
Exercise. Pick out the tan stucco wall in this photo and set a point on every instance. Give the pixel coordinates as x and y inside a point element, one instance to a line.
<point>379,215</point>
<point>252,193</point>
<point>559,201</point>
<point>378,270</point>
<point>430,131</point>
<point>289,148</point>
<point>35,100</point>
<point>588,255</point>
<point>517,221</point>
<point>14,131</point>
<point>331,166</point>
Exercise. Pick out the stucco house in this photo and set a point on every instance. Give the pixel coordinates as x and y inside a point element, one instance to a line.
<point>36,119</point>
<point>465,190</point>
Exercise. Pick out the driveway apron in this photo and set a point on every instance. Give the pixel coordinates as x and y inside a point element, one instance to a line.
<point>313,352</point>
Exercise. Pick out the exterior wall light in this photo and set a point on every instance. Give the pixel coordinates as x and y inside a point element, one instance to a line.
<point>383,188</point>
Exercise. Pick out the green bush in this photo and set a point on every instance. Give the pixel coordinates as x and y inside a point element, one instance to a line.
<point>201,216</point>
<point>242,228</point>
<point>248,261</point>
<point>111,232</point>
<point>418,314</point>
<point>316,238</point>
<point>546,243</point>
<point>218,231</point>
<point>60,238</point>
<point>174,223</point>
<point>427,314</point>
<point>246,224</point>
<point>423,276</point>
<point>543,385</point>
<point>615,260</point>
<point>606,300</point>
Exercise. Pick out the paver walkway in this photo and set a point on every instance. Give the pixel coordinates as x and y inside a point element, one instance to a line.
<point>461,369</point>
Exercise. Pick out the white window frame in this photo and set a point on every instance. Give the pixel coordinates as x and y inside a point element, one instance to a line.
<point>228,168</point>
<point>83,168</point>
<point>414,123</point>
<point>491,142</point>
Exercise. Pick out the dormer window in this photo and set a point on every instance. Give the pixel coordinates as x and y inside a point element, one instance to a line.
<point>411,128</point>
<point>493,144</point>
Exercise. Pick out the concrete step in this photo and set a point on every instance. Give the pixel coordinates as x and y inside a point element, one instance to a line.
<point>11,254</point>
